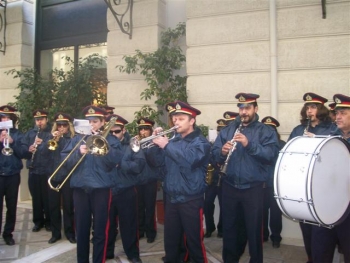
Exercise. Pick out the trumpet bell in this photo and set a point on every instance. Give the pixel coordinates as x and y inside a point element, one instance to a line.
<point>97,145</point>
<point>7,151</point>
<point>135,144</point>
<point>52,145</point>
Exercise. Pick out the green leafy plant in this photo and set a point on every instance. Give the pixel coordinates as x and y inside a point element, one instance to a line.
<point>63,91</point>
<point>160,70</point>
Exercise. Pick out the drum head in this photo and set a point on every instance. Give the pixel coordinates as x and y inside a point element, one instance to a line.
<point>330,181</point>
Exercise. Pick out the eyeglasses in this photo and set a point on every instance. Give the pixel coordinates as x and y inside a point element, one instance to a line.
<point>62,125</point>
<point>116,132</point>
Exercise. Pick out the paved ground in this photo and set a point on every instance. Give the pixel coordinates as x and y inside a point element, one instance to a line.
<point>33,247</point>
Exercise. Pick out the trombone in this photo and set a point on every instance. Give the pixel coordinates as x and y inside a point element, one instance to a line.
<point>96,144</point>
<point>147,143</point>
<point>6,150</point>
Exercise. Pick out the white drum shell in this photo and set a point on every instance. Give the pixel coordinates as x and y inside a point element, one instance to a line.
<point>312,179</point>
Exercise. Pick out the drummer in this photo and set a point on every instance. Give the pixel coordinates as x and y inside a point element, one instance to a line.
<point>324,240</point>
<point>314,120</point>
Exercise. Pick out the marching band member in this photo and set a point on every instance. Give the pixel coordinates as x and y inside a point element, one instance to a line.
<point>124,200</point>
<point>332,111</point>
<point>211,192</point>
<point>10,168</point>
<point>34,145</point>
<point>91,182</point>
<point>184,159</point>
<point>256,146</point>
<point>272,217</point>
<point>62,132</point>
<point>147,190</point>
<point>324,240</point>
<point>314,120</point>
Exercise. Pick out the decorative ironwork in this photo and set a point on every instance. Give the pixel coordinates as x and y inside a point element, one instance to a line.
<point>324,13</point>
<point>125,26</point>
<point>3,4</point>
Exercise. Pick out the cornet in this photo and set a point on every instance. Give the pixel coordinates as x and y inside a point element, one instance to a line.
<point>146,143</point>
<point>6,125</point>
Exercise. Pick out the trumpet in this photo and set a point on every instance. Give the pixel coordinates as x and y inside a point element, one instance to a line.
<point>234,144</point>
<point>7,150</point>
<point>136,144</point>
<point>97,145</point>
<point>53,143</point>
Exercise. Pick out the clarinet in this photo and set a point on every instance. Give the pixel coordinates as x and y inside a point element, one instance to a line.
<point>234,144</point>
<point>35,145</point>
<point>307,125</point>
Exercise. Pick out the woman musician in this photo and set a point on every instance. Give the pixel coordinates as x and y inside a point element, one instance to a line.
<point>10,168</point>
<point>62,132</point>
<point>35,150</point>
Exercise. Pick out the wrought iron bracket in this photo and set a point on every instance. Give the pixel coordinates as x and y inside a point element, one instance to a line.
<point>3,4</point>
<point>324,13</point>
<point>125,26</point>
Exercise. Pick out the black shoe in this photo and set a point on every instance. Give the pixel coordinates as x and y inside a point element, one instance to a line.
<point>36,228</point>
<point>9,241</point>
<point>150,240</point>
<point>110,257</point>
<point>276,244</point>
<point>72,240</point>
<point>135,260</point>
<point>219,235</point>
<point>54,240</point>
<point>48,228</point>
<point>141,236</point>
<point>208,234</point>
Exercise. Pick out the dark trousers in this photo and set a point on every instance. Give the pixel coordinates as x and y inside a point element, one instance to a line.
<point>184,218</point>
<point>306,231</point>
<point>124,209</point>
<point>272,217</point>
<point>146,196</point>
<point>90,206</point>
<point>9,189</point>
<point>209,207</point>
<point>39,190</point>
<point>324,242</point>
<point>251,201</point>
<point>66,194</point>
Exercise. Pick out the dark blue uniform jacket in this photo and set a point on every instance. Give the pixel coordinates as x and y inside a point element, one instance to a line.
<point>323,128</point>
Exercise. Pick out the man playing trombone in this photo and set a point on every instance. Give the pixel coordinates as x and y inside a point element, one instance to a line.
<point>10,168</point>
<point>35,150</point>
<point>62,132</point>
<point>184,160</point>
<point>92,163</point>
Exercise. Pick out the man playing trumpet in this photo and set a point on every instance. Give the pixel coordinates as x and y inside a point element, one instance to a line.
<point>10,168</point>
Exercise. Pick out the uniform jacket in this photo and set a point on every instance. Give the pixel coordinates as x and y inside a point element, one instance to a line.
<point>323,128</point>
<point>248,165</point>
<point>93,171</point>
<point>12,164</point>
<point>43,156</point>
<point>184,162</point>
<point>127,173</point>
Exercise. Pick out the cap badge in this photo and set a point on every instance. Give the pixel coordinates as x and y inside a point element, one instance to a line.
<point>227,116</point>
<point>91,111</point>
<point>178,106</point>
<point>268,120</point>
<point>6,109</point>
<point>170,107</point>
<point>142,122</point>
<point>221,123</point>
<point>60,116</point>
<point>38,113</point>
<point>337,100</point>
<point>308,97</point>
<point>241,99</point>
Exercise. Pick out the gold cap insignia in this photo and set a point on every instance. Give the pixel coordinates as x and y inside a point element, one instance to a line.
<point>308,97</point>
<point>170,107</point>
<point>227,116</point>
<point>337,100</point>
<point>38,113</point>
<point>268,120</point>
<point>60,116</point>
<point>241,99</point>
<point>6,109</point>
<point>142,122</point>
<point>178,106</point>
<point>221,123</point>
<point>91,111</point>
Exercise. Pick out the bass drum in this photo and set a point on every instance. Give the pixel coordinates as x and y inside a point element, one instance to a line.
<point>312,180</point>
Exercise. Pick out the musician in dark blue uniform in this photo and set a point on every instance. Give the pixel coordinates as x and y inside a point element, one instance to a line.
<point>324,240</point>
<point>213,190</point>
<point>314,120</point>
<point>62,133</point>
<point>272,214</point>
<point>147,190</point>
<point>184,159</point>
<point>10,168</point>
<point>38,155</point>
<point>92,181</point>
<point>124,200</point>
<point>256,148</point>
